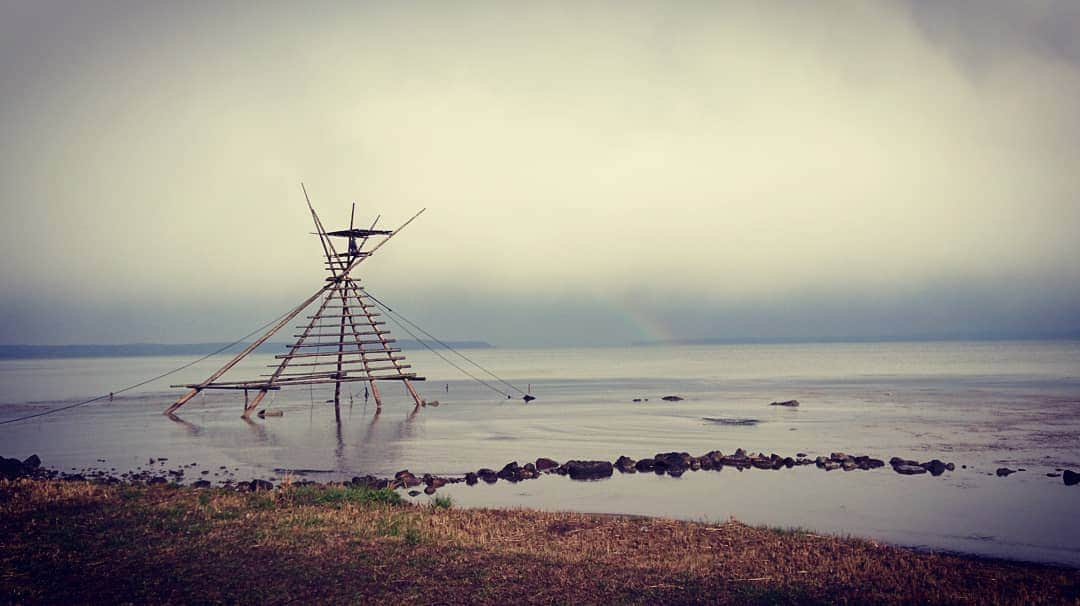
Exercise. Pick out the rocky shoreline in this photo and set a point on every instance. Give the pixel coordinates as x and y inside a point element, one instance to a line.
<point>673,464</point>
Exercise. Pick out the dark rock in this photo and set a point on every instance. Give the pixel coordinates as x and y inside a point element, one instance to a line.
<point>589,470</point>
<point>672,460</point>
<point>675,473</point>
<point>528,398</point>
<point>695,464</point>
<point>1053,475</point>
<point>625,464</point>
<point>872,463</point>
<point>510,471</point>
<point>671,398</point>
<point>908,470</point>
<point>637,399</point>
<point>898,461</point>
<point>1003,472</point>
<point>436,482</point>
<point>414,493</point>
<point>789,462</point>
<point>645,465</point>
<point>791,403</point>
<point>831,465</point>
<point>761,463</point>
<point>488,475</point>
<point>544,464</point>
<point>1070,477</point>
<point>257,485</point>
<point>471,479</point>
<point>801,455</point>
<point>429,490</point>
<point>406,478</point>
<point>32,462</point>
<point>950,466</point>
<point>201,484</point>
<point>849,465</point>
<point>935,467</point>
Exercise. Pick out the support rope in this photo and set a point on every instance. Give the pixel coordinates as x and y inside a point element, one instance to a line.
<point>400,318</point>
<point>150,380</point>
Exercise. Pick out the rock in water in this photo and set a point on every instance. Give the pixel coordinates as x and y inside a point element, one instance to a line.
<point>510,471</point>
<point>589,470</point>
<point>1071,477</point>
<point>786,403</point>
<point>1003,472</point>
<point>935,467</point>
<point>909,470</point>
<point>625,464</point>
<point>528,398</point>
<point>645,465</point>
<point>672,398</point>
<point>544,464</point>
<point>32,462</point>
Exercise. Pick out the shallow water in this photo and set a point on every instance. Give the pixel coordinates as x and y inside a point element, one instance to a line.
<point>983,405</point>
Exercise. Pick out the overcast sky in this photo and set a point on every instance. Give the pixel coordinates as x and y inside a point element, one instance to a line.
<point>594,172</point>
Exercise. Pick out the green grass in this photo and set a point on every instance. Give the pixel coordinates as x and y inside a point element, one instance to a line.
<point>331,495</point>
<point>442,502</point>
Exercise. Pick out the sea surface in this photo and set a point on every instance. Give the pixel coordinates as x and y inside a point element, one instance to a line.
<point>981,405</point>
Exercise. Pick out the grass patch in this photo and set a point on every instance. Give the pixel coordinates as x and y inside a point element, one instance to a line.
<point>442,502</point>
<point>68,542</point>
<point>334,495</point>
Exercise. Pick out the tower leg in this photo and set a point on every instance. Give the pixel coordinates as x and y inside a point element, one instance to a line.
<point>250,406</point>
<point>375,394</point>
<point>412,392</point>
<point>177,404</point>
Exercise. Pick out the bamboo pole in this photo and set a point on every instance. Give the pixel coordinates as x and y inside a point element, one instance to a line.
<point>288,318</point>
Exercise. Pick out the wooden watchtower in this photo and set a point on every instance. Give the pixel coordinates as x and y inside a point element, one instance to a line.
<point>343,340</point>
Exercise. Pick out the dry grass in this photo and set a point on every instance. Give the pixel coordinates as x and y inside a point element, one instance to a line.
<point>76,542</point>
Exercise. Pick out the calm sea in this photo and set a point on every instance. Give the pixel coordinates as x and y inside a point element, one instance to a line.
<point>982,405</point>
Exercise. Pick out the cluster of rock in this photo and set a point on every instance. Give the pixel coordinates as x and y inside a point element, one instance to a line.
<point>907,467</point>
<point>673,464</point>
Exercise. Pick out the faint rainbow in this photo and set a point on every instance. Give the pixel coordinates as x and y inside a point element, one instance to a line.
<point>646,327</point>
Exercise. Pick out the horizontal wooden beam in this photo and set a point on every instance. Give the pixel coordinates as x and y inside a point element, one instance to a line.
<point>347,341</point>
<point>343,373</point>
<point>232,385</point>
<point>381,358</point>
<point>363,315</point>
<point>347,333</point>
<point>334,353</point>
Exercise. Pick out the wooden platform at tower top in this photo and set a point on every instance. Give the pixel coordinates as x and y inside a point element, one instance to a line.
<point>344,340</point>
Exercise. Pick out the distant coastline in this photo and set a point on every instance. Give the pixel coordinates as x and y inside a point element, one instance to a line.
<point>1067,336</point>
<point>30,352</point>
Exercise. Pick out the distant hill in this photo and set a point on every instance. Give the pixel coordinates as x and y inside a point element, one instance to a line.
<point>14,352</point>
